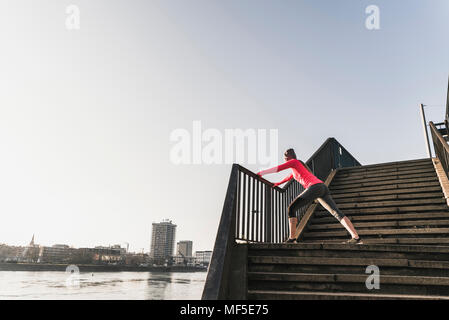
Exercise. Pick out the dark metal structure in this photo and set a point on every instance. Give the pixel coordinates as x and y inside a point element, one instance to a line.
<point>440,136</point>
<point>446,118</point>
<point>253,212</point>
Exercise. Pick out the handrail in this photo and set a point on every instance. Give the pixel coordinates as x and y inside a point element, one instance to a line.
<point>254,211</point>
<point>261,179</point>
<point>441,147</point>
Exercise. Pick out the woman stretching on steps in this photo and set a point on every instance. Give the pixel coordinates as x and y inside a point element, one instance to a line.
<point>314,189</point>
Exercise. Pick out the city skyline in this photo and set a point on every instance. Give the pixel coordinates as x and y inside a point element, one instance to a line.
<point>114,244</point>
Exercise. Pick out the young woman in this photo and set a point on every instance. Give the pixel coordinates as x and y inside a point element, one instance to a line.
<point>314,189</point>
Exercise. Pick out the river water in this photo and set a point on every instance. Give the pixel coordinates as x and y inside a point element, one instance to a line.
<point>101,285</point>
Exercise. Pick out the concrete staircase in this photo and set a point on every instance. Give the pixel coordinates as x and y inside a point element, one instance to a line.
<point>399,210</point>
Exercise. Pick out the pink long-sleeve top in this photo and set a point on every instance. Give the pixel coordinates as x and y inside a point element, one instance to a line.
<point>299,172</point>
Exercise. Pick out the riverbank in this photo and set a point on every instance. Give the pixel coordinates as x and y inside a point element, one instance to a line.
<point>95,268</point>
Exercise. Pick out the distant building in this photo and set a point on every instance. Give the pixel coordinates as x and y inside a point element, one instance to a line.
<point>180,260</point>
<point>10,253</point>
<point>162,241</point>
<point>136,259</point>
<point>60,246</point>
<point>83,256</point>
<point>30,253</point>
<point>119,248</point>
<point>32,242</point>
<point>203,257</point>
<point>185,248</point>
<point>111,254</point>
<point>58,253</point>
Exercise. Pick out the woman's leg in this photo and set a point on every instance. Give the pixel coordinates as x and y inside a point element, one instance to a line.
<point>293,223</point>
<point>350,227</point>
<point>306,197</point>
<point>329,204</point>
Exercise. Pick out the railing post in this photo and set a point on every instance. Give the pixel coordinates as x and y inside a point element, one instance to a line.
<point>426,136</point>
<point>268,221</point>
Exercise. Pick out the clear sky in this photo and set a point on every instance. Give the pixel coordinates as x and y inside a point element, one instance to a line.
<point>86,115</point>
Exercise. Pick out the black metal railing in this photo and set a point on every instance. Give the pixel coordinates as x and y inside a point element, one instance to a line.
<point>261,210</point>
<point>446,117</point>
<point>440,145</point>
<point>254,211</point>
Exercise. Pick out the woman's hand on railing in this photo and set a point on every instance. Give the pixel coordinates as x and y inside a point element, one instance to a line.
<point>273,185</point>
<point>259,176</point>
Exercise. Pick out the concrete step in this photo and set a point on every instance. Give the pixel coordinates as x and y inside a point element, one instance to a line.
<point>389,192</point>
<point>392,284</point>
<point>318,261</point>
<point>388,187</point>
<point>390,203</point>
<point>302,277</point>
<point>347,269</point>
<point>395,164</point>
<point>384,233</point>
<point>377,241</point>
<point>348,175</point>
<point>286,247</point>
<point>362,253</point>
<point>345,261</point>
<point>384,224</point>
<point>321,212</point>
<point>310,295</point>
<point>340,182</point>
<point>386,197</point>
<point>403,182</point>
<point>327,218</point>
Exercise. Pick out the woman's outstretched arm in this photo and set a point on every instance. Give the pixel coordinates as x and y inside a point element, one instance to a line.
<point>284,180</point>
<point>278,168</point>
